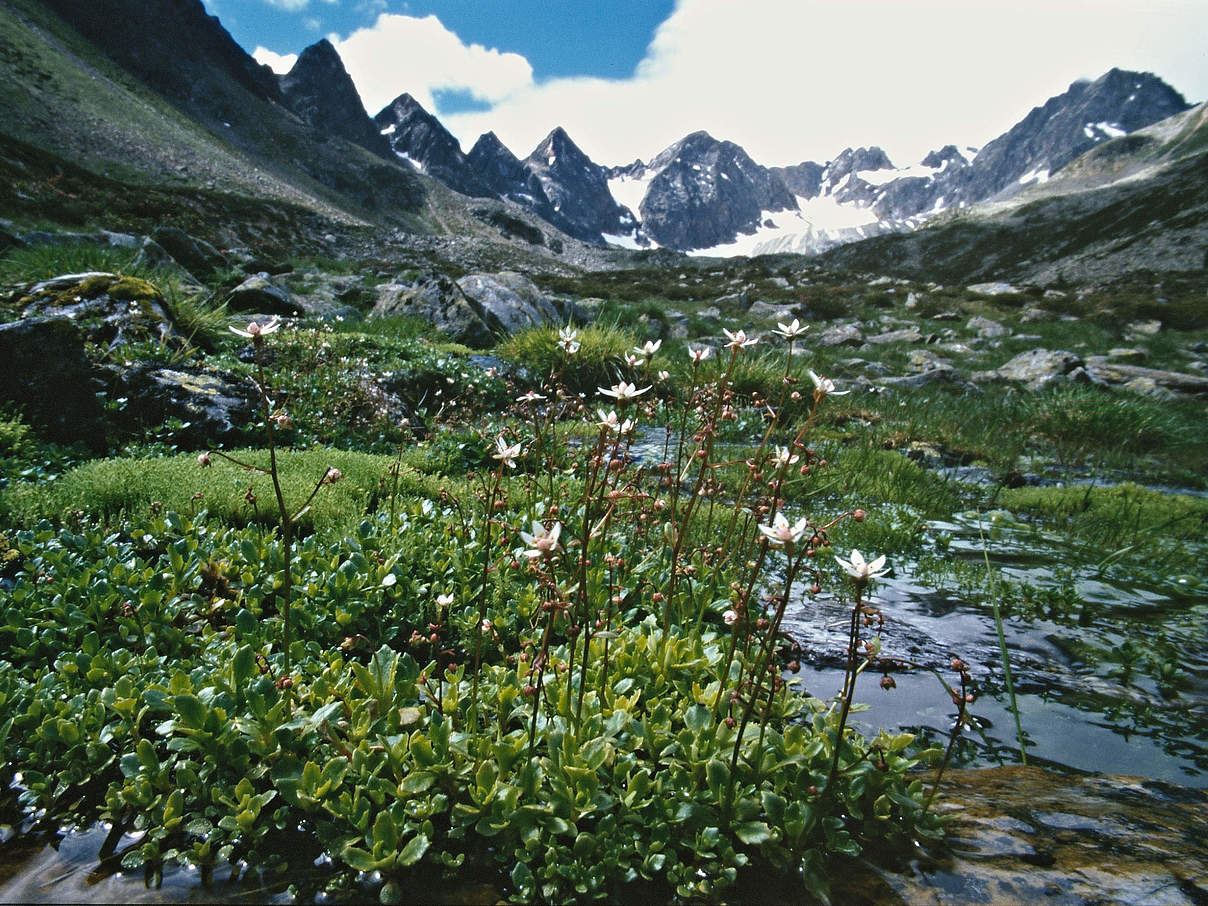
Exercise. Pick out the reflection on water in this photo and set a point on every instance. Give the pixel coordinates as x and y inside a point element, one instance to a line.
<point>1080,706</point>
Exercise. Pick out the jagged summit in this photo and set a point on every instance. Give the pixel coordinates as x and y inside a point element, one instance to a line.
<point>704,192</point>
<point>418,136</point>
<point>577,189</point>
<point>505,175</point>
<point>319,89</point>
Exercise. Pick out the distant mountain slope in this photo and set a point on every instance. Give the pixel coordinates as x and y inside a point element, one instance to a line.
<point>577,189</point>
<point>1138,202</point>
<point>703,192</point>
<point>182,105</point>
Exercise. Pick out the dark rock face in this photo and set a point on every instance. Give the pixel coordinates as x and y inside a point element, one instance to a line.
<point>58,385</point>
<point>187,57</point>
<point>578,190</point>
<point>215,406</point>
<point>804,179</point>
<point>507,177</point>
<point>707,192</point>
<point>261,294</point>
<point>321,92</point>
<point>1068,125</point>
<point>416,134</point>
<point>195,255</point>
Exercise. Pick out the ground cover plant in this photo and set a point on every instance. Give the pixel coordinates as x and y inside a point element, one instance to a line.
<point>565,664</point>
<point>535,630</point>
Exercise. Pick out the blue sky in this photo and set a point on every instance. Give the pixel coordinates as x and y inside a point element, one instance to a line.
<point>789,80</point>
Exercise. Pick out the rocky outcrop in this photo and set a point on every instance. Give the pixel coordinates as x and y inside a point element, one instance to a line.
<point>261,294</point>
<point>512,300</point>
<point>418,136</point>
<point>206,405</point>
<point>706,192</point>
<point>319,89</point>
<point>110,309</point>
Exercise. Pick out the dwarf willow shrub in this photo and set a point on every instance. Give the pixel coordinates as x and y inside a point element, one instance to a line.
<point>563,670</point>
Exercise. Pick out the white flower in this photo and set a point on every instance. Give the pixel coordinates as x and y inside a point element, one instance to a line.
<point>610,422</point>
<point>568,340</point>
<point>648,349</point>
<point>781,534</point>
<point>739,339</point>
<point>730,616</point>
<point>663,375</point>
<point>622,391</point>
<point>699,355</point>
<point>824,386</point>
<point>784,457</point>
<point>860,570</point>
<point>632,360</point>
<point>504,453</point>
<point>543,541</point>
<point>255,331</point>
<point>531,397</point>
<point>789,331</point>
<point>444,600</point>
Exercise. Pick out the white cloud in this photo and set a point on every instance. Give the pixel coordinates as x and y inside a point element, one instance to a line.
<point>420,56</point>
<point>278,63</point>
<point>290,6</point>
<point>791,80</point>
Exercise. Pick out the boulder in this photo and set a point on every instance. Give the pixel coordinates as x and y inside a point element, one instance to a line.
<point>153,256</point>
<point>905,335</point>
<point>841,335</point>
<point>51,381</point>
<point>195,255</point>
<point>511,299</point>
<point>994,289</point>
<point>1119,373</point>
<point>261,294</point>
<point>213,406</point>
<point>922,360</point>
<point>1039,367</point>
<point>987,329</point>
<point>439,301</point>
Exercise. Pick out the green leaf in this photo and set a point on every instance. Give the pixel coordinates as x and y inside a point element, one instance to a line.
<point>753,833</point>
<point>358,858</point>
<point>416,782</point>
<point>190,708</point>
<point>245,622</point>
<point>413,851</point>
<point>697,718</point>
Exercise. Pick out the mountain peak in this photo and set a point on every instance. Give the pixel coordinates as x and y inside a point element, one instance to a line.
<point>320,91</point>
<point>418,136</point>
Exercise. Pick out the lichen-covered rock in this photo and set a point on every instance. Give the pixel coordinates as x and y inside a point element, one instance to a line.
<point>110,308</point>
<point>987,329</point>
<point>50,380</point>
<point>905,335</point>
<point>212,405</point>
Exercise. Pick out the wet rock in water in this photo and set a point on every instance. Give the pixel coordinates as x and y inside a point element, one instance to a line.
<point>263,295</point>
<point>1027,835</point>
<point>51,380</point>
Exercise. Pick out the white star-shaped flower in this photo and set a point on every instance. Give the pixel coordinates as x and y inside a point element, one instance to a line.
<point>856,567</point>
